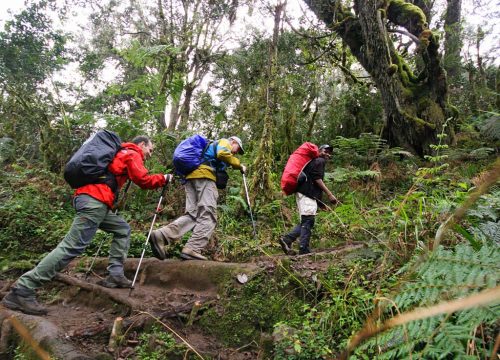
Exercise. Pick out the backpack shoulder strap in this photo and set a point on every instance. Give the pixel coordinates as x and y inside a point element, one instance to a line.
<point>215,149</point>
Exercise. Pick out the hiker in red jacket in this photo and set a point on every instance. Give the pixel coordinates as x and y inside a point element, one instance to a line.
<point>93,204</point>
<point>309,190</point>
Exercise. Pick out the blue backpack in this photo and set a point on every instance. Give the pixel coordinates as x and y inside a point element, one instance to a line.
<point>188,155</point>
<point>89,165</point>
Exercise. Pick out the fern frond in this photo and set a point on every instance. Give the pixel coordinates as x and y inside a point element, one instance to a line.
<point>445,275</point>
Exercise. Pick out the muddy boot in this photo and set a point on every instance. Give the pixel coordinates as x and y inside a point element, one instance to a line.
<point>286,247</point>
<point>157,244</point>
<point>118,281</point>
<point>190,254</point>
<point>24,300</point>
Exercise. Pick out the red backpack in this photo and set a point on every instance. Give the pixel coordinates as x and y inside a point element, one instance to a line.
<point>295,164</point>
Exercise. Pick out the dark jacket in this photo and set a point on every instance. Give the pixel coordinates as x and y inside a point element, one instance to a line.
<point>306,183</point>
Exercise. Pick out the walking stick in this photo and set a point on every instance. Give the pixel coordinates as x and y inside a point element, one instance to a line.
<point>104,238</point>
<point>158,209</point>
<point>249,206</point>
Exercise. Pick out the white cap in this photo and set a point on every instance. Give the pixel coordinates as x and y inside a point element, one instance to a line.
<point>238,140</point>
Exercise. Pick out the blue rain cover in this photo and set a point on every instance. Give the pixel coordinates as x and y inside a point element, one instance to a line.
<point>188,155</point>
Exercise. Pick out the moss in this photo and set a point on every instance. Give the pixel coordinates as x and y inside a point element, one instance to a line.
<point>418,121</point>
<point>402,12</point>
<point>430,110</point>
<point>433,112</point>
<point>425,38</point>
<point>252,309</point>
<point>392,69</point>
<point>405,73</point>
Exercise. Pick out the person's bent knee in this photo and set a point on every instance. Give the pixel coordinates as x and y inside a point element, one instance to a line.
<point>125,230</point>
<point>307,220</point>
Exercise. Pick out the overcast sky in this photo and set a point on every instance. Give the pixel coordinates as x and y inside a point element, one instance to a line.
<point>295,6</point>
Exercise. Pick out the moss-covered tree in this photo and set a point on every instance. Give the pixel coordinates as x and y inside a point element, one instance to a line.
<point>415,104</point>
<point>453,41</point>
<point>263,161</point>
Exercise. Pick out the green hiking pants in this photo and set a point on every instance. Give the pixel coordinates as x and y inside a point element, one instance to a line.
<point>91,215</point>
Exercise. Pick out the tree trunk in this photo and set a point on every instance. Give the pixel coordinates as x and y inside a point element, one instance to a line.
<point>186,107</point>
<point>452,39</point>
<point>472,89</point>
<point>497,87</point>
<point>415,106</point>
<point>174,115</point>
<point>263,161</point>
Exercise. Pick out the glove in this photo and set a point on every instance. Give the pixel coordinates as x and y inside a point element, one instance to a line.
<point>168,178</point>
<point>243,169</point>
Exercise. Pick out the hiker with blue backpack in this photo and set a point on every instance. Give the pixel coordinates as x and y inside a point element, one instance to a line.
<point>202,164</point>
<point>97,170</point>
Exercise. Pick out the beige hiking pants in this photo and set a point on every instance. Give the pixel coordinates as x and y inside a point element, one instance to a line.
<point>200,216</point>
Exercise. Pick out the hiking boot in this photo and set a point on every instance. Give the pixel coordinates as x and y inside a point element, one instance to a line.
<point>23,300</point>
<point>117,281</point>
<point>190,254</point>
<point>286,247</point>
<point>157,245</point>
<point>305,251</point>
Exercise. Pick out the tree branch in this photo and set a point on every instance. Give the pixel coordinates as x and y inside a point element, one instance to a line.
<point>406,33</point>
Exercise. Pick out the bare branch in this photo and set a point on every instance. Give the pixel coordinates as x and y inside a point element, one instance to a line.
<point>406,33</point>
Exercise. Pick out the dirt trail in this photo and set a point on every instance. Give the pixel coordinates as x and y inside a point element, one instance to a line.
<point>82,313</point>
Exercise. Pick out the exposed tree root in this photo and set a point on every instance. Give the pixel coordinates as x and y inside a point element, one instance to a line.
<point>102,291</point>
<point>43,332</point>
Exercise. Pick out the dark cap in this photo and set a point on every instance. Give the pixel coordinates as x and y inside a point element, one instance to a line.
<point>326,147</point>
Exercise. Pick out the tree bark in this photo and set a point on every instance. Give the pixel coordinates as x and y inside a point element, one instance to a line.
<point>452,38</point>
<point>415,106</point>
<point>186,107</point>
<point>263,161</point>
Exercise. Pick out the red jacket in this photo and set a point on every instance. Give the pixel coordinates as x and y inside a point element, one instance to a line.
<point>127,164</point>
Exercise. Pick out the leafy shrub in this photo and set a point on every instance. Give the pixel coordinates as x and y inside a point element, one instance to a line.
<point>35,212</point>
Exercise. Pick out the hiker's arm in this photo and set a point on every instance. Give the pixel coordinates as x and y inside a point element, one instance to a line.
<point>323,187</point>
<point>224,154</point>
<point>139,174</point>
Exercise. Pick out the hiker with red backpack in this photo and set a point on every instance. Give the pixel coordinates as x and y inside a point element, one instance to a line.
<point>97,170</point>
<point>202,163</point>
<point>303,175</point>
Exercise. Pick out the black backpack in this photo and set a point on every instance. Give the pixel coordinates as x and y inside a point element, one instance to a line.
<point>89,165</point>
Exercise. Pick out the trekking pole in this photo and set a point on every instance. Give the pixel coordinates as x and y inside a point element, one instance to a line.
<point>158,209</point>
<point>249,207</point>
<point>104,238</point>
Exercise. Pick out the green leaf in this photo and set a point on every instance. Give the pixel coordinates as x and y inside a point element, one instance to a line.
<point>297,347</point>
<point>474,243</point>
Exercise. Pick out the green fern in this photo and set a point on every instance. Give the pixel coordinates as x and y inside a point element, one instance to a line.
<point>343,174</point>
<point>445,275</point>
<point>489,126</point>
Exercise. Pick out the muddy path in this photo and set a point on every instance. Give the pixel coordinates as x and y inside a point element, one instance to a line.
<point>171,294</point>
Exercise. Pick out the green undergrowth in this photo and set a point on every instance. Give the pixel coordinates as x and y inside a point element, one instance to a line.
<point>389,201</point>
<point>296,309</point>
<point>252,309</point>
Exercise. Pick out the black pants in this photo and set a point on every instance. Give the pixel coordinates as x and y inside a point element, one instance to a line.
<point>302,230</point>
